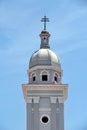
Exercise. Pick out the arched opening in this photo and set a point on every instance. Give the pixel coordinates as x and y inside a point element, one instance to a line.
<point>56,77</point>
<point>44,76</point>
<point>33,77</point>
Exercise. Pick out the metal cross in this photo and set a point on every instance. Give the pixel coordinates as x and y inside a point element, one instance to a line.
<point>45,19</point>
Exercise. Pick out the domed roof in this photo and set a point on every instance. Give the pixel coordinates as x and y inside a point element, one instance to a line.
<point>44,57</point>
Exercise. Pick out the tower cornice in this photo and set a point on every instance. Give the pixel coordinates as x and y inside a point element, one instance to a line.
<point>28,88</point>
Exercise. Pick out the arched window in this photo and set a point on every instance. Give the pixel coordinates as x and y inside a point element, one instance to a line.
<point>33,77</point>
<point>56,77</point>
<point>44,76</point>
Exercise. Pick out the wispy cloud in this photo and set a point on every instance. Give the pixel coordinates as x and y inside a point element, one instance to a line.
<point>72,48</point>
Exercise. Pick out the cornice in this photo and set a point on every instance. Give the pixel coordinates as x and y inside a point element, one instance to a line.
<point>45,67</point>
<point>44,87</point>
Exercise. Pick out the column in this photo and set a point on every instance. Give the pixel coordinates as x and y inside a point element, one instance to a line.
<point>53,113</point>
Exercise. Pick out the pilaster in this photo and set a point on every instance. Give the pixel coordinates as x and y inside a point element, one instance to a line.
<point>36,112</point>
<point>53,113</point>
<point>29,116</point>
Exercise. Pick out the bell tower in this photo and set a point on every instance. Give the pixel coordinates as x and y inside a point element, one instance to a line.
<point>45,93</point>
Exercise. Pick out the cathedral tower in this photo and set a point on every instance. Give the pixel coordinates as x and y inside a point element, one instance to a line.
<point>45,93</point>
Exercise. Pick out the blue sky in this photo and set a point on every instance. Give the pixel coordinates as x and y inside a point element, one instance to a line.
<point>20,27</point>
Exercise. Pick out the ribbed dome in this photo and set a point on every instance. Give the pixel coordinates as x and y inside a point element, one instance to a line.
<point>44,57</point>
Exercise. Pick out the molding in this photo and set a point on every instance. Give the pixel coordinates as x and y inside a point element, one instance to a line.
<point>45,67</point>
<point>44,109</point>
<point>45,70</point>
<point>36,99</point>
<point>28,99</point>
<point>61,99</point>
<point>53,99</point>
<point>35,88</point>
<point>32,99</point>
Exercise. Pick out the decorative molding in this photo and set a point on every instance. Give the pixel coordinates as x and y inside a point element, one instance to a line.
<point>28,99</point>
<point>27,88</point>
<point>32,74</point>
<point>44,71</point>
<point>45,86</point>
<point>32,99</point>
<point>45,67</point>
<point>53,99</point>
<point>44,109</point>
<point>61,99</point>
<point>36,99</point>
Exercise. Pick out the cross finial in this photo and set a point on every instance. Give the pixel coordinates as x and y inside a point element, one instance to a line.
<point>45,19</point>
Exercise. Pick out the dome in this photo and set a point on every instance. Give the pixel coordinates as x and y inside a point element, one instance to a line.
<point>44,57</point>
